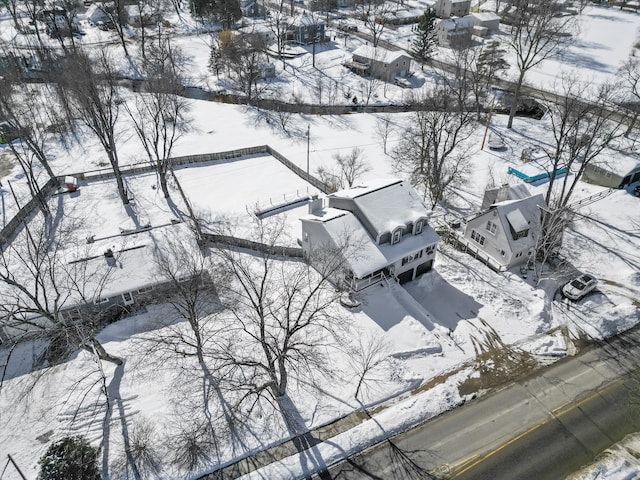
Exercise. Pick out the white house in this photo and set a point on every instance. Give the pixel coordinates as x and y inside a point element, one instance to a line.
<point>488,20</point>
<point>137,16</point>
<point>454,32</point>
<point>505,234</point>
<point>99,14</point>
<point>381,227</point>
<point>451,8</point>
<point>380,63</point>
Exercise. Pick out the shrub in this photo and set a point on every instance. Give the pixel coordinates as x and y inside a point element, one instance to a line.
<point>71,458</point>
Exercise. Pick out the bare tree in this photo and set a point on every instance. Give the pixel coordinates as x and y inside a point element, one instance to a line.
<point>368,355</point>
<point>90,92</point>
<point>384,128</point>
<point>45,295</point>
<point>243,55</point>
<point>279,23</point>
<point>487,62</point>
<point>538,31</point>
<point>583,125</point>
<point>281,316</point>
<point>350,168</point>
<point>432,151</point>
<point>630,74</point>
<point>29,113</point>
<point>158,115</point>
<point>374,14</point>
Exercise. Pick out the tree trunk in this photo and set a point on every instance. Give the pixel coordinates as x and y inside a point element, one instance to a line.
<point>516,97</point>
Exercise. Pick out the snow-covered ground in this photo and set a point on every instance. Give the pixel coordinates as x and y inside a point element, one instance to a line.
<point>427,329</point>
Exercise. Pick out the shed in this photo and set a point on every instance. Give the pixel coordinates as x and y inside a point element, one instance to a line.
<point>488,20</point>
<point>613,171</point>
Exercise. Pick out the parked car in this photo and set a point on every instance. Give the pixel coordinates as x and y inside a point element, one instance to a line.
<point>636,191</point>
<point>402,82</point>
<point>579,286</point>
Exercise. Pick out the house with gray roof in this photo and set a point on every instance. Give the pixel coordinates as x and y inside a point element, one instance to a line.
<point>379,63</point>
<point>454,32</point>
<point>505,234</point>
<point>380,227</point>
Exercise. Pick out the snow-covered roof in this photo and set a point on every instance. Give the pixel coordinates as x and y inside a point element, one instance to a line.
<point>378,53</point>
<point>134,10</point>
<point>457,23</point>
<point>520,215</point>
<point>616,162</point>
<point>97,11</point>
<point>305,19</point>
<point>365,256</point>
<point>385,204</point>
<point>485,16</point>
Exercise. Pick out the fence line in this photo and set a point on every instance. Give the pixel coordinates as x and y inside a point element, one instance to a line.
<point>11,226</point>
<point>280,250</point>
<point>145,167</point>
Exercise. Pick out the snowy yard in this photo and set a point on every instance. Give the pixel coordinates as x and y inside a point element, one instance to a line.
<point>427,332</point>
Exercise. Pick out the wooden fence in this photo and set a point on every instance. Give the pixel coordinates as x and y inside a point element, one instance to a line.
<point>146,167</point>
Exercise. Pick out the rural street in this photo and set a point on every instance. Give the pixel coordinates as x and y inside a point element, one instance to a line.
<point>544,426</point>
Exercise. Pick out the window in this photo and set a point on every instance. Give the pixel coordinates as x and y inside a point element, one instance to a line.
<point>397,234</point>
<point>476,237</point>
<point>128,299</point>
<point>492,227</point>
<point>429,250</point>
<point>145,289</point>
<point>417,230</point>
<point>100,301</point>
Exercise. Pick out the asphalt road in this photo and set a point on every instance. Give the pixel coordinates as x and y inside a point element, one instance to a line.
<point>544,427</point>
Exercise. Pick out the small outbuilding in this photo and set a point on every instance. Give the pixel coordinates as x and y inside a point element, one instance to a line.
<point>613,172</point>
<point>488,20</point>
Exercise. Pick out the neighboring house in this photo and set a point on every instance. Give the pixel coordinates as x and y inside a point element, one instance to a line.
<point>380,228</point>
<point>454,32</point>
<point>267,70</point>
<point>252,8</point>
<point>615,172</point>
<point>99,14</point>
<point>485,23</point>
<point>451,8</point>
<point>306,29</point>
<point>135,281</point>
<point>505,234</point>
<point>262,31</point>
<point>380,63</point>
<point>137,17</point>
<point>58,21</point>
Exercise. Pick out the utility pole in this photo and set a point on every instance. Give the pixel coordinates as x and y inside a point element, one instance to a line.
<point>308,140</point>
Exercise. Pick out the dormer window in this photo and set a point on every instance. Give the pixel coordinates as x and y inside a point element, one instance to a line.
<point>396,236</point>
<point>418,225</point>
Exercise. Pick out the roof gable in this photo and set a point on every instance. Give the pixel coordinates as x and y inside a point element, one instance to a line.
<point>385,204</point>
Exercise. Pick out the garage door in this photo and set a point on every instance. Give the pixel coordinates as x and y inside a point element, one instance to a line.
<point>405,277</point>
<point>424,267</point>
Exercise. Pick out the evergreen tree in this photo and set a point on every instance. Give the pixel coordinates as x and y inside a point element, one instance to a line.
<point>491,60</point>
<point>425,40</point>
<point>71,458</point>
